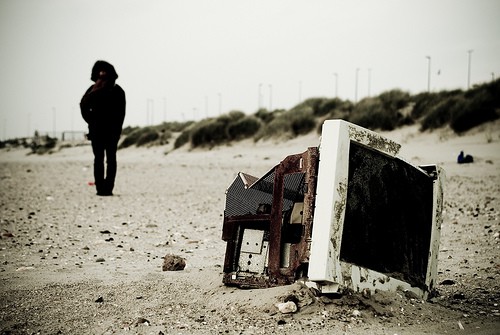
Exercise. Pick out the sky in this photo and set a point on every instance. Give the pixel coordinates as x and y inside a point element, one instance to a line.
<point>183,60</point>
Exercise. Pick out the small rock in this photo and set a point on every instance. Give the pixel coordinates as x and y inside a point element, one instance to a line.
<point>367,293</point>
<point>173,263</point>
<point>142,321</point>
<point>287,307</point>
<point>411,295</point>
<point>100,299</point>
<point>447,282</point>
<point>100,260</point>
<point>325,300</point>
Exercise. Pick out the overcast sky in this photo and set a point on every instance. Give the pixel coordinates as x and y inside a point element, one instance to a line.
<point>188,59</point>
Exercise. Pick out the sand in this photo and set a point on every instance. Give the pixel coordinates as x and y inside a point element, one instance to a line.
<point>75,263</point>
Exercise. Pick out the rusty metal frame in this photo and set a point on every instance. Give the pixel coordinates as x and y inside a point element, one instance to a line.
<point>307,163</point>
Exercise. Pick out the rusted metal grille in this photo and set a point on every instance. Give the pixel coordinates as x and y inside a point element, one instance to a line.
<point>294,190</point>
<point>259,212</point>
<point>243,199</point>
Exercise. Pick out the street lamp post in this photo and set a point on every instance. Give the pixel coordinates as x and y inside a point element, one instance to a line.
<point>54,122</point>
<point>149,111</point>
<point>428,73</point>
<point>220,103</point>
<point>28,119</point>
<point>4,129</point>
<point>152,112</point>
<point>336,84</point>
<point>260,96</point>
<point>356,86</point>
<point>468,68</point>
<point>369,81</point>
<point>206,106</point>
<point>270,97</point>
<point>164,109</point>
<point>300,91</point>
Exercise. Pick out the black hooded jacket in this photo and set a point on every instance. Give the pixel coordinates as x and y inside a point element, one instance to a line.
<point>103,105</point>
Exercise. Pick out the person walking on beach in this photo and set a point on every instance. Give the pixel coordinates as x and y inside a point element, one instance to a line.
<point>103,108</point>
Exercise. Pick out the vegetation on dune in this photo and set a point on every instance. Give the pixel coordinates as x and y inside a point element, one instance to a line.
<point>481,104</point>
<point>151,135</point>
<point>384,112</point>
<point>460,110</point>
<point>244,128</point>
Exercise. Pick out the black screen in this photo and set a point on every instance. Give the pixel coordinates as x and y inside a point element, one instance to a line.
<point>388,218</point>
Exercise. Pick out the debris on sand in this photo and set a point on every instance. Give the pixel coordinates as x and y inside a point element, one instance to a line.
<point>173,263</point>
<point>287,307</point>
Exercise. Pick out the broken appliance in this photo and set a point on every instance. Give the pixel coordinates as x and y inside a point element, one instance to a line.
<point>349,214</point>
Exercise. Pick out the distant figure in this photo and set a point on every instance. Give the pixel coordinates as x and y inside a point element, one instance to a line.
<point>103,108</point>
<point>464,159</point>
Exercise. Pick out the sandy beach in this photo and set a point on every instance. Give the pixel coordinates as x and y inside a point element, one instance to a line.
<point>75,263</point>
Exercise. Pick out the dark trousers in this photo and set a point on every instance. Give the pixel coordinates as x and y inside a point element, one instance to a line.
<point>104,148</point>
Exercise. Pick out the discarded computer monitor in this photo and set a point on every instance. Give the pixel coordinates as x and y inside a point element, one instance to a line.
<point>348,214</point>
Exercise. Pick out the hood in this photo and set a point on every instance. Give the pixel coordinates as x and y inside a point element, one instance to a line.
<point>101,65</point>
